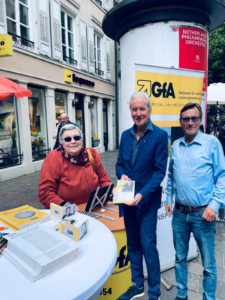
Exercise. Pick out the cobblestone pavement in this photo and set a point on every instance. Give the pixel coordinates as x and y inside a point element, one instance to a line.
<point>24,190</point>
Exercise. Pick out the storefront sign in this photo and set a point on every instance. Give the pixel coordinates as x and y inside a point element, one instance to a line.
<point>6,45</point>
<point>68,76</point>
<point>83,81</point>
<point>169,89</point>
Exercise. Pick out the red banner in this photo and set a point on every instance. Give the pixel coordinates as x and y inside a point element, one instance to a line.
<point>193,51</point>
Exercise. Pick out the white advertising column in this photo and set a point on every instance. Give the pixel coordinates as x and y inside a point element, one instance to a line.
<point>162,48</point>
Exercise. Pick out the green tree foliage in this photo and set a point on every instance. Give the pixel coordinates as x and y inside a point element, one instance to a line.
<point>217,55</point>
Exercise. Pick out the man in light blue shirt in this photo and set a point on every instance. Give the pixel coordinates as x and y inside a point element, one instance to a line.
<point>197,179</point>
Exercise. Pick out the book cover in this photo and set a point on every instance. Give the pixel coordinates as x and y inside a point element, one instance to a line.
<point>124,192</point>
<point>23,216</point>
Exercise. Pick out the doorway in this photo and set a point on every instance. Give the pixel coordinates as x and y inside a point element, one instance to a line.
<point>80,115</point>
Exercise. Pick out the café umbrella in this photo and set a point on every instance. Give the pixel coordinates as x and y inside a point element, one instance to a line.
<point>9,88</point>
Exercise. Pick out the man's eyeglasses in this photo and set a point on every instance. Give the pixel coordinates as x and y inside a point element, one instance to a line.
<point>193,119</point>
<point>64,118</point>
<point>69,139</point>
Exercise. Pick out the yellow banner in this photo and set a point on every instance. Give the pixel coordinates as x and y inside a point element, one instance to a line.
<point>169,90</point>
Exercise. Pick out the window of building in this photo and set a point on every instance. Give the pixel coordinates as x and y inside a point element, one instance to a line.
<point>17,16</point>
<point>103,3</point>
<point>67,28</point>
<point>38,123</point>
<point>98,54</point>
<point>60,104</point>
<point>9,134</point>
<point>94,123</point>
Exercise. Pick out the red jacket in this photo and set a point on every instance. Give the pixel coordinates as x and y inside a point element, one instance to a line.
<point>63,181</point>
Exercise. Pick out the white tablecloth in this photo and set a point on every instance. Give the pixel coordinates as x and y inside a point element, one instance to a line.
<point>83,278</point>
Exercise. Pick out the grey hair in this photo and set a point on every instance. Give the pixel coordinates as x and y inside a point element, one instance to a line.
<point>138,95</point>
<point>69,127</point>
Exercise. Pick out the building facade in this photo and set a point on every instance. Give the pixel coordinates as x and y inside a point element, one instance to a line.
<point>62,55</point>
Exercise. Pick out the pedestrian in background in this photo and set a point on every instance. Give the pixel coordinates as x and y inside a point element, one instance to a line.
<point>197,179</point>
<point>64,121</point>
<point>57,127</point>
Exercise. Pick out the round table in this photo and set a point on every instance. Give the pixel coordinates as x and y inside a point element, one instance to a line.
<point>120,280</point>
<point>81,279</point>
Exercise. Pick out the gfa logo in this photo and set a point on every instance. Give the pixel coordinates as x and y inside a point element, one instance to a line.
<point>156,89</point>
<point>123,260</point>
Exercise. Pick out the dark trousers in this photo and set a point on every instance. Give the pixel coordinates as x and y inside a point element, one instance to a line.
<point>141,240</point>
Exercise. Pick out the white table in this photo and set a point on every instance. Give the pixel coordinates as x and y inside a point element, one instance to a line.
<point>81,279</point>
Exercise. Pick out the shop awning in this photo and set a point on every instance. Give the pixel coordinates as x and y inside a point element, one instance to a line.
<point>9,88</point>
<point>216,93</point>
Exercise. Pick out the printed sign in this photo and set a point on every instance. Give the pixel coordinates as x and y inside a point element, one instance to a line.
<point>6,45</point>
<point>193,52</point>
<point>120,280</point>
<point>68,76</point>
<point>169,90</point>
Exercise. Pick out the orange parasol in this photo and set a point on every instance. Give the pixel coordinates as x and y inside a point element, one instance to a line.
<point>9,88</point>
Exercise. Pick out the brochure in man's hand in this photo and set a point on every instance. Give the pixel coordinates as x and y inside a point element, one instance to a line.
<point>124,192</point>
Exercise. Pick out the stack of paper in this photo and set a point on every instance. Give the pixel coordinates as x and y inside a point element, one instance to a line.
<point>39,250</point>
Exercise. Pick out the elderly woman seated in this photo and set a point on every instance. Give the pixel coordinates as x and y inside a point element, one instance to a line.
<point>67,174</point>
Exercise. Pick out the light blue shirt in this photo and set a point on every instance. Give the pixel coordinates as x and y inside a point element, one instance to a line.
<point>197,172</point>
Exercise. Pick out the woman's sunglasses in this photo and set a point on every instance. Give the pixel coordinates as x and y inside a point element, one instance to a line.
<point>69,139</point>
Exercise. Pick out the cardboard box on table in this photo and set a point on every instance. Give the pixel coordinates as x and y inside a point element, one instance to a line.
<point>75,231</point>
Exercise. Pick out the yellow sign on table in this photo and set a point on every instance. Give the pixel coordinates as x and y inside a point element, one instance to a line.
<point>68,76</point>
<point>169,90</point>
<point>6,45</point>
<point>120,279</point>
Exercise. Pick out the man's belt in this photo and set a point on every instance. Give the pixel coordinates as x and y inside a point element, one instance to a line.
<point>189,209</point>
